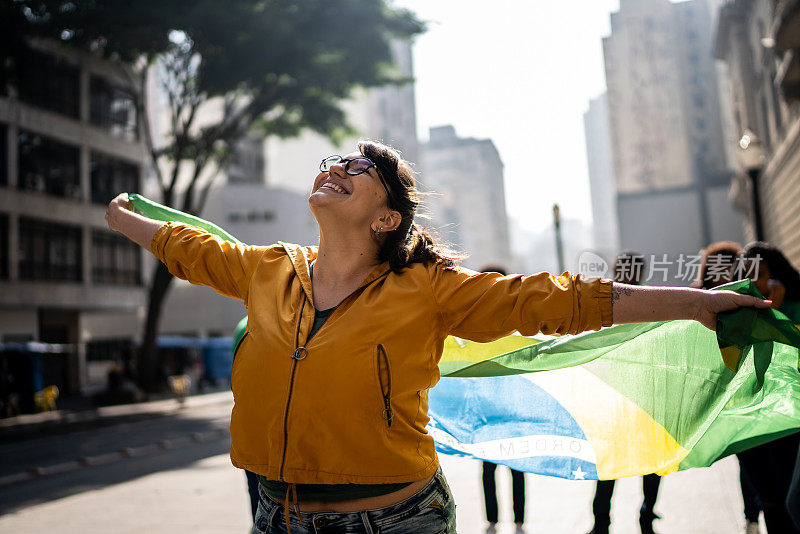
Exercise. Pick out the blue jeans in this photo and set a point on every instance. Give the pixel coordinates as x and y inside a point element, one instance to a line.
<point>429,511</point>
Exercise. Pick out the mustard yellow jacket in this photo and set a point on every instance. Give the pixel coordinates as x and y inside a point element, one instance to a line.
<point>350,405</point>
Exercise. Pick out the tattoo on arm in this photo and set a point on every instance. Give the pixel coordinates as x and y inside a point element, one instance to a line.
<point>618,290</point>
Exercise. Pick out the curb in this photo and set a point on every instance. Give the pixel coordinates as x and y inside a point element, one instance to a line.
<point>107,458</point>
<point>158,407</point>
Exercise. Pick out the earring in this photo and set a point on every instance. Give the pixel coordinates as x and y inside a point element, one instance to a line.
<point>378,231</point>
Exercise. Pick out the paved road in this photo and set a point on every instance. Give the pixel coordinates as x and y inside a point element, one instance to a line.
<point>190,486</point>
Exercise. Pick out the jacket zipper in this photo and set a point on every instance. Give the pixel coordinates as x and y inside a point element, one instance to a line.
<point>386,393</point>
<point>299,354</point>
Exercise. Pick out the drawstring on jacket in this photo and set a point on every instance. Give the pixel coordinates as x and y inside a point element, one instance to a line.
<point>293,489</point>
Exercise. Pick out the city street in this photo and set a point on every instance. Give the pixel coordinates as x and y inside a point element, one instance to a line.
<point>171,473</point>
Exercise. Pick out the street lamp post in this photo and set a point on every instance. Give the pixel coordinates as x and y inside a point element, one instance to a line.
<point>559,246</point>
<point>752,158</point>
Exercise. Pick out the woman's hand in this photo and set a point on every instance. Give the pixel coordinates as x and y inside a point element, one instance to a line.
<point>115,209</point>
<point>710,303</point>
<point>121,218</point>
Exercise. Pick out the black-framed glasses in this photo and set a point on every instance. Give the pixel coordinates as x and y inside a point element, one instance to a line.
<point>354,167</point>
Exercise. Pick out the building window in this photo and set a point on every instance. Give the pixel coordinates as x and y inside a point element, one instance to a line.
<point>115,260</point>
<point>4,254</point>
<point>112,109</point>
<point>111,177</point>
<point>50,82</point>
<point>48,166</point>
<point>49,251</point>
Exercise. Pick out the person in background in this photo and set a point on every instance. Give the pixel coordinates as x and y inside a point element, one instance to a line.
<point>777,279</point>
<point>718,263</point>
<point>628,269</point>
<point>764,471</point>
<point>489,470</point>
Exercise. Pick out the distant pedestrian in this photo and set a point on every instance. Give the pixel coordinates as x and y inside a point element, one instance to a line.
<point>629,267</point>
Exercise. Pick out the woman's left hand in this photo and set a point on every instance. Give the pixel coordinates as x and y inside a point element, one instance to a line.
<point>713,302</point>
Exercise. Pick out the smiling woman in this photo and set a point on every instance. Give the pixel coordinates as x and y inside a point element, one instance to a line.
<point>331,377</point>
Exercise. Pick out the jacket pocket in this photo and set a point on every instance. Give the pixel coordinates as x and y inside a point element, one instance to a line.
<point>384,377</point>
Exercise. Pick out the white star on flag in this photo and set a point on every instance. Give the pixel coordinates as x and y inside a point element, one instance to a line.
<point>579,474</point>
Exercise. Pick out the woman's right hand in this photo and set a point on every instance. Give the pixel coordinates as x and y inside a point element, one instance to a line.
<point>115,208</point>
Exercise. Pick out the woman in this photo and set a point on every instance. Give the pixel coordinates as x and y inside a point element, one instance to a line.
<point>333,417</point>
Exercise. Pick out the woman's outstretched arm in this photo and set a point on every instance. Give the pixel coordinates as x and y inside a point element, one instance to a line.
<point>121,218</point>
<point>639,304</point>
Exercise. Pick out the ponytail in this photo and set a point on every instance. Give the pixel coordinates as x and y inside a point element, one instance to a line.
<point>408,243</point>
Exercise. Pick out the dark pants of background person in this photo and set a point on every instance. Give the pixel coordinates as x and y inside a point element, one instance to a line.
<point>490,493</point>
<point>252,489</point>
<point>752,502</point>
<point>601,506</point>
<point>793,498</point>
<point>769,467</point>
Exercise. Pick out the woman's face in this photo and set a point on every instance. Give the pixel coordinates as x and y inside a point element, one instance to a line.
<point>359,198</point>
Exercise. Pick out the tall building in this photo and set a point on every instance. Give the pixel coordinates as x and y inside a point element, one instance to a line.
<point>69,142</point>
<point>670,165</point>
<point>605,232</point>
<point>469,202</point>
<point>759,41</point>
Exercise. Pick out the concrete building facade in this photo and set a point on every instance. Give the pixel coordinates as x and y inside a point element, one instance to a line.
<point>469,203</point>
<point>759,40</point>
<point>69,142</point>
<point>670,165</point>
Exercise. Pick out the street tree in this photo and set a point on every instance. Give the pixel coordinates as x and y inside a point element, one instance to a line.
<point>276,67</point>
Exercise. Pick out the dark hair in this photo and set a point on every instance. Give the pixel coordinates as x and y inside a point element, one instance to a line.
<point>779,267</point>
<point>408,243</point>
<point>491,268</point>
<point>727,252</point>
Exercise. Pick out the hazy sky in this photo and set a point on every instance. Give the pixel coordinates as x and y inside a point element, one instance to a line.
<point>520,72</point>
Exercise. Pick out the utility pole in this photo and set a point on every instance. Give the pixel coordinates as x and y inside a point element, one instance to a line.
<point>559,246</point>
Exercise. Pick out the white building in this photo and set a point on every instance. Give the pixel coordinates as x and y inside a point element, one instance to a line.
<point>469,205</point>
